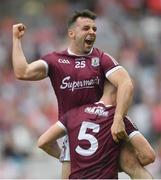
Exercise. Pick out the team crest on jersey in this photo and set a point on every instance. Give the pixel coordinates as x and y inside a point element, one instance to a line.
<point>95,61</point>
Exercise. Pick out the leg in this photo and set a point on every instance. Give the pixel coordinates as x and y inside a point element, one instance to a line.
<point>65,169</point>
<point>65,159</point>
<point>143,149</point>
<point>130,164</point>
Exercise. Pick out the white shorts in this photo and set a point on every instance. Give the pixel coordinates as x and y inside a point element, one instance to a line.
<point>65,153</point>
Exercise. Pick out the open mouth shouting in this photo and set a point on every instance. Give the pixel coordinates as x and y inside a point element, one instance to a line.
<point>89,41</point>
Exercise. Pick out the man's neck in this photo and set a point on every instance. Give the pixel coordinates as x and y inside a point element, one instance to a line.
<point>108,100</point>
<point>105,104</point>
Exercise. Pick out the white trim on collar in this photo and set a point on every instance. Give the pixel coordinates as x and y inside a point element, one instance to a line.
<point>71,53</point>
<point>109,105</point>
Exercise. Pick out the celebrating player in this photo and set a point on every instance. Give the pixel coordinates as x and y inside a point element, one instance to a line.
<point>78,73</point>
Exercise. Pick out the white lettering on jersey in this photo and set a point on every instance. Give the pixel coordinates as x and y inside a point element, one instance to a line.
<point>64,61</point>
<point>72,85</point>
<point>98,110</point>
<point>80,64</point>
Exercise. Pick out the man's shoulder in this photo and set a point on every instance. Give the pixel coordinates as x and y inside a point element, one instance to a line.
<point>56,53</point>
<point>97,52</point>
<point>78,109</point>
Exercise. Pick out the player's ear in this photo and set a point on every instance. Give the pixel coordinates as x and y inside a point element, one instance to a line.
<point>71,33</point>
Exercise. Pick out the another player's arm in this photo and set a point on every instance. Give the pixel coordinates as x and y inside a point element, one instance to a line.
<point>52,149</point>
<point>123,82</point>
<point>33,71</point>
<point>47,141</point>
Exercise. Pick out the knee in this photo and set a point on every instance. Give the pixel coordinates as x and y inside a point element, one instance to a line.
<point>147,157</point>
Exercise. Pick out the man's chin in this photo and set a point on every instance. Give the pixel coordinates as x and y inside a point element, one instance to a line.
<point>87,51</point>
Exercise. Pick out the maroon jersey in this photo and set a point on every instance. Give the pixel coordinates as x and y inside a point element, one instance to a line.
<point>93,153</point>
<point>78,80</point>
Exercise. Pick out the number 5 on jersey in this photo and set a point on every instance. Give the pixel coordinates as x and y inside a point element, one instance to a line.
<point>83,135</point>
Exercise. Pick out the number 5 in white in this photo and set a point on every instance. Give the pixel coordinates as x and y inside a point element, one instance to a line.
<point>85,136</point>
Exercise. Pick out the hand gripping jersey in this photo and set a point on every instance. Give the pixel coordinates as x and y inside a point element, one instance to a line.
<point>78,80</point>
<point>93,153</point>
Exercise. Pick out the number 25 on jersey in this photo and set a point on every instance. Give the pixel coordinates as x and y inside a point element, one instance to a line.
<point>80,64</point>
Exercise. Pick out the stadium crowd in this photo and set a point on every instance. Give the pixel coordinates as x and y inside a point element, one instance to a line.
<point>129,30</point>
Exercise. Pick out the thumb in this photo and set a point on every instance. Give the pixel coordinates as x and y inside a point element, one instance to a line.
<point>115,138</point>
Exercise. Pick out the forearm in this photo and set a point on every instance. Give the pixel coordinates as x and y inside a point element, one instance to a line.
<point>52,149</point>
<point>18,59</point>
<point>24,71</point>
<point>124,99</point>
<point>48,140</point>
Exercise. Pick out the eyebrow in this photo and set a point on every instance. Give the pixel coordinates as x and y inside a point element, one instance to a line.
<point>87,26</point>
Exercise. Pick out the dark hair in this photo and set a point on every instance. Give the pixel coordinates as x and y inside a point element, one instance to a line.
<point>84,13</point>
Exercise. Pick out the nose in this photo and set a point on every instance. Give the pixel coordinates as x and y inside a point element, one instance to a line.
<point>91,31</point>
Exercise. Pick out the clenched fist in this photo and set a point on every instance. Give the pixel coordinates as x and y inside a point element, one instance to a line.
<point>18,30</point>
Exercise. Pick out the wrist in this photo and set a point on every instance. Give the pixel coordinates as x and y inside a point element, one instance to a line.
<point>16,38</point>
<point>118,117</point>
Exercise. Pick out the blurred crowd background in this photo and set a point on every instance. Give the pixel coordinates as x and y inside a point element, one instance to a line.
<point>129,30</point>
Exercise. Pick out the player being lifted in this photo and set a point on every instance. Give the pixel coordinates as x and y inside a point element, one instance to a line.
<point>93,152</point>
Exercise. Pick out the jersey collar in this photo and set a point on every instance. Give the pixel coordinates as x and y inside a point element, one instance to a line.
<point>101,102</point>
<point>71,53</point>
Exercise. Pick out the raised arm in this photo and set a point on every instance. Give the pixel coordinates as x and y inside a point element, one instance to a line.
<point>123,82</point>
<point>24,71</point>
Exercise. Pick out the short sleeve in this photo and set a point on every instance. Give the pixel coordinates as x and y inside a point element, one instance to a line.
<point>63,121</point>
<point>109,64</point>
<point>129,125</point>
<point>49,61</point>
